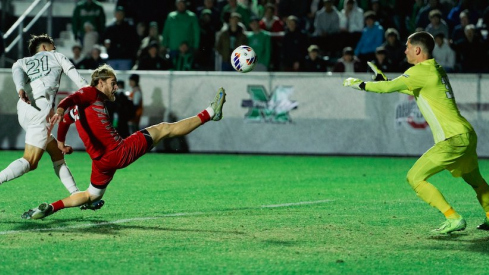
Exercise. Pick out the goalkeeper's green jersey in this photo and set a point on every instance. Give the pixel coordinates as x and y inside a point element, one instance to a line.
<point>428,83</point>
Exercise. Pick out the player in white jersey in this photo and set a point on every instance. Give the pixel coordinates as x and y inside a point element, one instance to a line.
<point>43,70</point>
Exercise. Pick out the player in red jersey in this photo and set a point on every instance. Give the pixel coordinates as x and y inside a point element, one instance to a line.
<point>107,149</point>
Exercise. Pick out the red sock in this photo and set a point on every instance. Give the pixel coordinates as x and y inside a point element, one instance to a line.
<point>204,116</point>
<point>58,205</point>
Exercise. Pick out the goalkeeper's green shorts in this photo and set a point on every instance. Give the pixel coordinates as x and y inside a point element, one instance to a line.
<point>457,154</point>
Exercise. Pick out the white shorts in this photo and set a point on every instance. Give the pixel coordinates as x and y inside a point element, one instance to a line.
<point>34,119</point>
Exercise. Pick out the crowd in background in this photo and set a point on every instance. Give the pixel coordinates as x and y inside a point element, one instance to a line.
<point>287,35</point>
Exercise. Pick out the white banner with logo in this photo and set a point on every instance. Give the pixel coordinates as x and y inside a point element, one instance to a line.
<point>279,113</point>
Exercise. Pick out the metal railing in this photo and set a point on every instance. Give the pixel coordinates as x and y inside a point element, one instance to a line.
<point>18,27</point>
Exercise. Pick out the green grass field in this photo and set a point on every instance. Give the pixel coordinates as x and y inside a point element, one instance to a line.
<point>241,214</point>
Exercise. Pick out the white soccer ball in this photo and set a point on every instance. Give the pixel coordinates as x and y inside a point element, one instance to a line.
<point>243,59</point>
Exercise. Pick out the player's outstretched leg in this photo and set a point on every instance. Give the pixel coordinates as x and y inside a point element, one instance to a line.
<point>216,105</point>
<point>42,211</point>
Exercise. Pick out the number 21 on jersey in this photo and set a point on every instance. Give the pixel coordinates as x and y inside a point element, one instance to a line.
<point>37,67</point>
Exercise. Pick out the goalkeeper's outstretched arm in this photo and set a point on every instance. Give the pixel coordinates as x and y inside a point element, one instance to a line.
<point>390,86</point>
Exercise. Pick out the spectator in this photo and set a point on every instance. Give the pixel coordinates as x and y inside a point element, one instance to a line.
<point>136,96</point>
<point>327,27</point>
<point>93,61</point>
<point>87,11</point>
<point>443,54</point>
<point>458,33</point>
<point>151,60</point>
<point>142,31</point>
<point>348,63</point>
<point>394,49</point>
<point>411,20</point>
<point>472,52</point>
<point>122,42</point>
<point>402,10</point>
<point>363,4</point>
<point>352,22</point>
<point>270,22</point>
<point>213,12</point>
<point>437,25</point>
<point>273,25</point>
<point>294,47</point>
<point>120,110</point>
<point>204,57</point>
<point>297,8</point>
<point>77,57</point>
<point>423,18</point>
<point>467,6</point>
<point>90,39</point>
<point>381,60</point>
<point>313,6</point>
<point>228,39</point>
<point>153,36</point>
<point>261,42</point>
<point>313,61</point>
<point>372,37</point>
<point>184,60</point>
<point>257,7</point>
<point>234,6</point>
<point>383,14</point>
<point>181,26</point>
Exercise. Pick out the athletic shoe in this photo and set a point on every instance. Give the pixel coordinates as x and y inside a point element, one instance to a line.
<point>40,212</point>
<point>93,206</point>
<point>484,225</point>
<point>217,104</point>
<point>451,225</point>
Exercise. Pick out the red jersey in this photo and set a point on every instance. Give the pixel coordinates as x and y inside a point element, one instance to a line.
<point>87,110</point>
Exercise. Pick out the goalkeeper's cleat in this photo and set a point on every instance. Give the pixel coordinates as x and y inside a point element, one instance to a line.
<point>216,105</point>
<point>93,206</point>
<point>484,225</point>
<point>451,225</point>
<point>378,74</point>
<point>40,212</point>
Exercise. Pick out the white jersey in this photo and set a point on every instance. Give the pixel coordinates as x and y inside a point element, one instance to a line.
<point>43,71</point>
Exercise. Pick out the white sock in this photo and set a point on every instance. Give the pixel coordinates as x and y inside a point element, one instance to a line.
<point>16,169</point>
<point>64,174</point>
<point>210,111</point>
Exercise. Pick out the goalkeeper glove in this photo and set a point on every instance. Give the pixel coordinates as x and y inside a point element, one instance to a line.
<point>378,74</point>
<point>355,83</point>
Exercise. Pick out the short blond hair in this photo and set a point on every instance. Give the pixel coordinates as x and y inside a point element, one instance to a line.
<point>103,72</point>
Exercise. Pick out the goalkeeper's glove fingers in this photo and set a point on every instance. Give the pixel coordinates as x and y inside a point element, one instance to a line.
<point>378,74</point>
<point>355,83</point>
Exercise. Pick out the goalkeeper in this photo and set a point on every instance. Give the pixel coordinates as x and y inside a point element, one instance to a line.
<point>455,139</point>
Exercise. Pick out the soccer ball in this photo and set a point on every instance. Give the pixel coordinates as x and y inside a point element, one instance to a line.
<point>243,59</point>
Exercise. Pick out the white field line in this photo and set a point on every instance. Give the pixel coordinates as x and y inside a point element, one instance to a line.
<point>148,218</point>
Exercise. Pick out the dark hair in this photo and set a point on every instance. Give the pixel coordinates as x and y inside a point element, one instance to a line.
<point>424,40</point>
<point>121,84</point>
<point>103,73</point>
<point>37,40</point>
<point>135,78</point>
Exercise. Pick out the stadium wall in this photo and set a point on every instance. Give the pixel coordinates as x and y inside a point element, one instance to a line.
<point>279,113</point>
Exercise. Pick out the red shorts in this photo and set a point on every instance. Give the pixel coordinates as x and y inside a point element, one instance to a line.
<point>103,169</point>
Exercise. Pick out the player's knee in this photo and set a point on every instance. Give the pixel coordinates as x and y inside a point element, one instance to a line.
<point>412,180</point>
<point>95,193</point>
<point>33,165</point>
